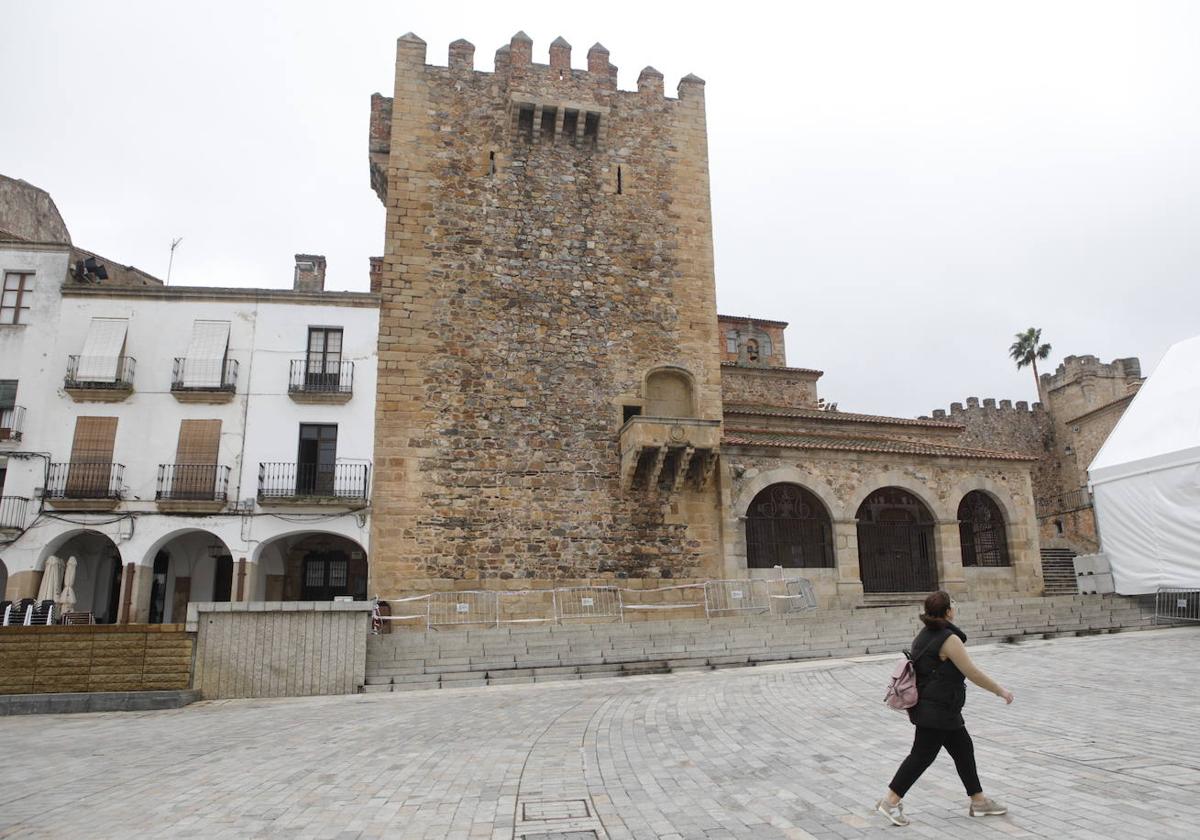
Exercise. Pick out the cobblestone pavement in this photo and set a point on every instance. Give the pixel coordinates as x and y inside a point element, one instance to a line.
<point>1101,742</point>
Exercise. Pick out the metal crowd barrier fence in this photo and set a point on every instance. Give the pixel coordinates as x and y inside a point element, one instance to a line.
<point>493,608</point>
<point>1172,604</point>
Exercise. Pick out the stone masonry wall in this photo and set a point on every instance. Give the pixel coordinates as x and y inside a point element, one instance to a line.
<point>1008,428</point>
<point>532,277</point>
<point>769,386</point>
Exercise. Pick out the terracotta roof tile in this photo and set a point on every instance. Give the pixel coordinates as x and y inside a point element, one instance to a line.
<point>744,409</point>
<point>772,367</point>
<point>863,444</point>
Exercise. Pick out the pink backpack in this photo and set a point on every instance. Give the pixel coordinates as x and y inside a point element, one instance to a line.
<point>902,689</point>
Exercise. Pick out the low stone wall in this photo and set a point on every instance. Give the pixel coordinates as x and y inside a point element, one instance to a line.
<point>279,649</point>
<point>515,654</point>
<point>91,658</point>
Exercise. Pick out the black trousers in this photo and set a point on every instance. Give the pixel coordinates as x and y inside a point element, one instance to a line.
<point>926,745</point>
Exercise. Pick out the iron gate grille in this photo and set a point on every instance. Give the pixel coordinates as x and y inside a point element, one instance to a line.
<point>896,556</point>
<point>786,526</point>
<point>981,531</point>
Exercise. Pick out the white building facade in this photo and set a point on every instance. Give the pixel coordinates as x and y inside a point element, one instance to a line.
<point>183,443</point>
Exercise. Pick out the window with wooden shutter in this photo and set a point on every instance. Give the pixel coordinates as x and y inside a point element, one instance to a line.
<point>90,472</point>
<point>196,454</point>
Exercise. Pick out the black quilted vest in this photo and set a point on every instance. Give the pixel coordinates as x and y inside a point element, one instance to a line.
<point>941,687</point>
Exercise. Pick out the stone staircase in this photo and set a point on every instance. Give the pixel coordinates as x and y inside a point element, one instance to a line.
<point>1058,571</point>
<point>408,660</point>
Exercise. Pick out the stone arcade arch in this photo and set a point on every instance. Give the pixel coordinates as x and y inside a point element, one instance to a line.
<point>312,566</point>
<point>98,571</point>
<point>788,526</point>
<point>982,531</point>
<point>188,565</point>
<point>896,542</point>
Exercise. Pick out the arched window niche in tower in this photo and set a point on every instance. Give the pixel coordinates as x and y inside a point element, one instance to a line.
<point>669,393</point>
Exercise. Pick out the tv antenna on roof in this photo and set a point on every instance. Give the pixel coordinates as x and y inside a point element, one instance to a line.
<point>171,261</point>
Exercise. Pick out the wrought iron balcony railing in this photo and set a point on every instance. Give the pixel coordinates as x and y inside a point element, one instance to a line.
<point>315,377</point>
<point>290,480</point>
<point>100,372</point>
<point>193,482</point>
<point>204,375</point>
<point>12,420</point>
<point>1064,502</point>
<point>13,511</point>
<point>85,480</point>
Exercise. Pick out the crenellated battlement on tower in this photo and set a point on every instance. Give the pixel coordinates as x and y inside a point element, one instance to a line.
<point>987,406</point>
<point>1075,368</point>
<point>536,105</point>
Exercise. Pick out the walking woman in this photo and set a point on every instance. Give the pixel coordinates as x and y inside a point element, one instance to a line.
<point>942,667</point>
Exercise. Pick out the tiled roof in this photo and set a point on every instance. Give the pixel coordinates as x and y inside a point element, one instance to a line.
<point>771,367</point>
<point>745,409</point>
<point>743,318</point>
<point>779,440</point>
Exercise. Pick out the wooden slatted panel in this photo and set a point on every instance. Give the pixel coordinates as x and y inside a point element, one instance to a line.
<point>91,456</point>
<point>196,455</point>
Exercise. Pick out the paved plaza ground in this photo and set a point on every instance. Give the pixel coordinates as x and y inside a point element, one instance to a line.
<point>1101,742</point>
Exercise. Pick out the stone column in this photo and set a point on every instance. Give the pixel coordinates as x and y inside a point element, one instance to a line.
<point>845,555</point>
<point>949,557</point>
<point>23,585</point>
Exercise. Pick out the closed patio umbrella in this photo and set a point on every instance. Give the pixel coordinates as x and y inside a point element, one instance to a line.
<point>52,578</point>
<point>66,600</point>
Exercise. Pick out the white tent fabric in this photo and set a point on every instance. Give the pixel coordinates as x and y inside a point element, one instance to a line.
<point>205,360</point>
<point>1146,480</point>
<point>102,350</point>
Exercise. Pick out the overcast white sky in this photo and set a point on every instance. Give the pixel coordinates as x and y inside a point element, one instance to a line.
<point>907,183</point>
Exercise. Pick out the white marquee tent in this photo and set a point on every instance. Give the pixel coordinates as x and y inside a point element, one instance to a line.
<point>1146,480</point>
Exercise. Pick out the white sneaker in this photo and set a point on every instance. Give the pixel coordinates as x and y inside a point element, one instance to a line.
<point>895,813</point>
<point>987,808</point>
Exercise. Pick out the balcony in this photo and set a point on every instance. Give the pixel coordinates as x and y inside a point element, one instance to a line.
<point>204,380</point>
<point>192,488</point>
<point>290,483</point>
<point>14,511</point>
<point>321,382</point>
<point>666,453</point>
<point>79,485</point>
<point>12,421</point>
<point>99,378</point>
<point>1063,503</point>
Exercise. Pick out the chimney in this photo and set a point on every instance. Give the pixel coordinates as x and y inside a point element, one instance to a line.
<point>376,274</point>
<point>310,273</point>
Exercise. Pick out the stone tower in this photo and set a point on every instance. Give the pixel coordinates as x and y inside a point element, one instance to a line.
<point>549,388</point>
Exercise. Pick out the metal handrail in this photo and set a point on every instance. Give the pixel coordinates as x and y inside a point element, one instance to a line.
<point>12,421</point>
<point>193,482</point>
<point>206,370</point>
<point>85,480</point>
<point>292,480</point>
<point>122,372</point>
<point>1063,502</point>
<point>320,377</point>
<point>13,511</point>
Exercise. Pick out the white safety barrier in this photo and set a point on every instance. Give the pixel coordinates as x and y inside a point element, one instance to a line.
<point>1173,604</point>
<point>734,596</point>
<point>496,607</point>
<point>588,602</point>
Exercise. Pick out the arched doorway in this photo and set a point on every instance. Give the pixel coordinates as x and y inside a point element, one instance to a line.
<point>788,526</point>
<point>313,567</point>
<point>981,531</point>
<point>97,573</point>
<point>188,566</point>
<point>895,543</point>
<point>3,581</point>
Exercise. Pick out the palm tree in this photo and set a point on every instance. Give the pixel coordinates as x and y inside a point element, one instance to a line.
<point>1026,351</point>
